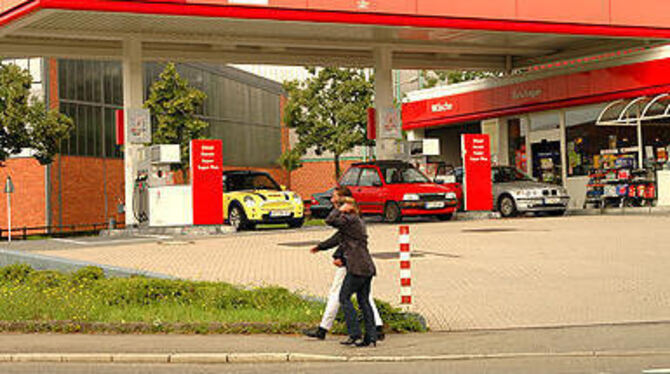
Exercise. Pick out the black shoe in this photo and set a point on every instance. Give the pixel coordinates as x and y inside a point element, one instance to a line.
<point>365,343</point>
<point>351,341</point>
<point>380,333</point>
<point>319,333</point>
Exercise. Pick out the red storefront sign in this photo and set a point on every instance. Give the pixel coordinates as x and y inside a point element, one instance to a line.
<point>207,182</point>
<point>477,185</point>
<point>587,87</point>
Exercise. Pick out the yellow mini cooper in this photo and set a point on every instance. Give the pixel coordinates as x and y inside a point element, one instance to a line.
<point>251,198</point>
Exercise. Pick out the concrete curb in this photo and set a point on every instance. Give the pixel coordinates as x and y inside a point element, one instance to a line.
<point>225,358</point>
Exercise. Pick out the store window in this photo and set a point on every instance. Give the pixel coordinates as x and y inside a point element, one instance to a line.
<point>585,142</point>
<point>517,144</point>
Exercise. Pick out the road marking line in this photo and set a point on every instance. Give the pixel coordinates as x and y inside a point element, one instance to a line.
<point>106,242</point>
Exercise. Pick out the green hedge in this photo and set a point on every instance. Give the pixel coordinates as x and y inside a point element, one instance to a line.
<point>87,301</point>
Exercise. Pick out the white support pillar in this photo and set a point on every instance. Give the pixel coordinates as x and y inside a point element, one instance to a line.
<point>640,141</point>
<point>133,97</point>
<point>383,56</point>
<point>529,152</point>
<point>564,148</point>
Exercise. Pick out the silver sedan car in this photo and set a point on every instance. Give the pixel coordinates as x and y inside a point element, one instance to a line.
<point>515,192</point>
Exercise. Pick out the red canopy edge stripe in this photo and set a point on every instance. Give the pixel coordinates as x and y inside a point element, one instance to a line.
<point>19,11</point>
<point>538,107</point>
<point>308,15</point>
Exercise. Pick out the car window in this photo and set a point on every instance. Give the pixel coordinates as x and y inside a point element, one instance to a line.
<point>242,182</point>
<point>369,178</point>
<point>350,178</point>
<point>406,174</point>
<point>507,175</point>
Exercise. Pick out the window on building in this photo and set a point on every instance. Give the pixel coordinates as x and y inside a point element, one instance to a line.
<point>90,92</point>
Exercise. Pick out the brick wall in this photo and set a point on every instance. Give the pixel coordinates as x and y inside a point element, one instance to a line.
<point>315,177</point>
<point>28,200</point>
<point>81,200</point>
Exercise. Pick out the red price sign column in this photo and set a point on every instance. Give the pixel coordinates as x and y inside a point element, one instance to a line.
<point>477,185</point>
<point>207,181</point>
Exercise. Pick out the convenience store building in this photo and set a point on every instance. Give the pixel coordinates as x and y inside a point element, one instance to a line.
<point>573,123</point>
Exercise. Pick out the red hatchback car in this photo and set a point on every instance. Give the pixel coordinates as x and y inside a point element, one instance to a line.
<point>395,189</point>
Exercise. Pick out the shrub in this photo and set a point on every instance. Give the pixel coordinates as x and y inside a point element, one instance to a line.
<point>87,274</point>
<point>15,272</point>
<point>47,279</point>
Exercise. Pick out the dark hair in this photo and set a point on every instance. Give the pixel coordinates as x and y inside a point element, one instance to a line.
<point>344,191</point>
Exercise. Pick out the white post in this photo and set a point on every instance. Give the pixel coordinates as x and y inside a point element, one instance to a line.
<point>133,97</point>
<point>564,146</point>
<point>9,218</point>
<point>529,152</point>
<point>640,142</point>
<point>383,56</point>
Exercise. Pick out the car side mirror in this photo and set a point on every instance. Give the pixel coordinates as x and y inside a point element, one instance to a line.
<point>377,184</point>
<point>283,188</point>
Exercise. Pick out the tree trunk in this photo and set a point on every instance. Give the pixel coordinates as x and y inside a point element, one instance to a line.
<point>337,167</point>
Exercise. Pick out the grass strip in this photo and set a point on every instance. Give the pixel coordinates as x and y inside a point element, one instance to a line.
<point>86,301</point>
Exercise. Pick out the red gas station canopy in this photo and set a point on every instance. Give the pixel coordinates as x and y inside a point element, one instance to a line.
<point>479,34</point>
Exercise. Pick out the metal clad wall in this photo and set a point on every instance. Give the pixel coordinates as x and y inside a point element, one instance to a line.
<point>241,111</point>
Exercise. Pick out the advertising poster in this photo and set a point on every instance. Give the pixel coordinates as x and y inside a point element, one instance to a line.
<point>139,126</point>
<point>390,124</point>
<point>207,181</point>
<point>477,185</point>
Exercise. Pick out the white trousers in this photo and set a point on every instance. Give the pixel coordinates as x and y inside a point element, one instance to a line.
<point>333,304</point>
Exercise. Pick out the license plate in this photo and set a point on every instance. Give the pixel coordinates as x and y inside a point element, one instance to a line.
<point>552,201</point>
<point>280,213</point>
<point>435,205</point>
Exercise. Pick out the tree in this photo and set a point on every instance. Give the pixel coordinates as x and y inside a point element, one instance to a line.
<point>329,111</point>
<point>290,161</point>
<point>174,104</point>
<point>434,77</point>
<point>25,122</point>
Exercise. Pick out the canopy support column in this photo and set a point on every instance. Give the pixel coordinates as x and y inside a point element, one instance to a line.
<point>564,148</point>
<point>133,97</point>
<point>386,145</point>
<point>640,141</point>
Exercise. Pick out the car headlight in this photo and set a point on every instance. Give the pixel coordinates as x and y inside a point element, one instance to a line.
<point>410,197</point>
<point>249,201</point>
<point>450,196</point>
<point>297,198</point>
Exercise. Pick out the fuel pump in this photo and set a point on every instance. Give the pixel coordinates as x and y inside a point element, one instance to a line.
<point>153,171</point>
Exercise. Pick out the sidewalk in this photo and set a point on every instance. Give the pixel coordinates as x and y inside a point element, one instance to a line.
<point>614,340</point>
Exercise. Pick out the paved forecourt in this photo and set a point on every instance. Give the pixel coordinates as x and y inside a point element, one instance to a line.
<point>465,275</point>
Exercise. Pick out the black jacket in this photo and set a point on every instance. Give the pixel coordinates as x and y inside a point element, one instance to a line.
<point>352,239</point>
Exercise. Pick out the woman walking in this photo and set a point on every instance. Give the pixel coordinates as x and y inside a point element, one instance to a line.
<point>352,239</point>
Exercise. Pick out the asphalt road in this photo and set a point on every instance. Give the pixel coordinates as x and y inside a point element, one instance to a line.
<point>625,365</point>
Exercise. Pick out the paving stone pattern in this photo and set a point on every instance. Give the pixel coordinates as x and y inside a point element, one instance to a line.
<point>469,275</point>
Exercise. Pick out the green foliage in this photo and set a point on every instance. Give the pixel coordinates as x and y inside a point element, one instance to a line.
<point>86,301</point>
<point>174,106</point>
<point>290,160</point>
<point>26,123</point>
<point>434,77</point>
<point>15,273</point>
<point>329,111</point>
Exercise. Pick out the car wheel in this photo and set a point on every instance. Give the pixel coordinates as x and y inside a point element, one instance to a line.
<point>296,223</point>
<point>507,207</point>
<point>238,219</point>
<point>392,213</point>
<point>445,217</point>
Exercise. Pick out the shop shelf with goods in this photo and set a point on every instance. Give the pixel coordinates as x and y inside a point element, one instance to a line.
<point>616,181</point>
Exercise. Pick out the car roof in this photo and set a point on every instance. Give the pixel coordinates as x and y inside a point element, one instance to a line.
<point>244,172</point>
<point>383,163</point>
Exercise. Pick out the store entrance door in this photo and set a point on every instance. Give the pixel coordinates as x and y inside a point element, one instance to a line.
<point>547,161</point>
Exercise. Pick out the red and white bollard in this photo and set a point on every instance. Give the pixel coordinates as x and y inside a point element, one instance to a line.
<point>405,269</point>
